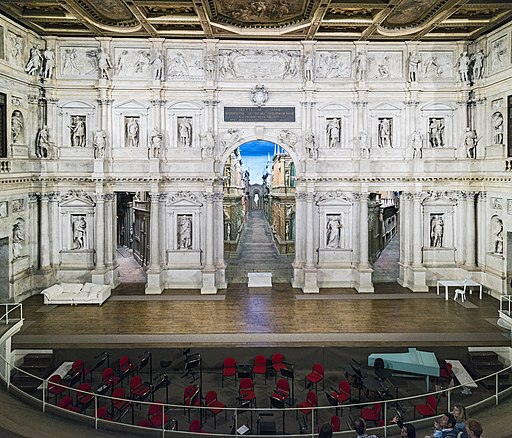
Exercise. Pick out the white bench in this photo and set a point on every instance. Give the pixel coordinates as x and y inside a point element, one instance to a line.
<point>260,279</point>
<point>462,376</point>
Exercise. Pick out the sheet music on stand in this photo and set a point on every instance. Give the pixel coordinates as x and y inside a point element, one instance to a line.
<point>242,430</point>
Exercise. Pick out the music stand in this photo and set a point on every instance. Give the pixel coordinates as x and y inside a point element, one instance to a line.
<point>243,371</point>
<point>333,401</point>
<point>266,427</point>
<point>190,364</point>
<point>164,382</point>
<point>289,374</point>
<point>277,403</point>
<point>145,358</point>
<point>244,407</point>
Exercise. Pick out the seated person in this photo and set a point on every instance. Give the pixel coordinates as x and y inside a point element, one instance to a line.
<point>360,428</point>
<point>473,428</point>
<point>445,427</point>
<point>406,430</point>
<point>459,412</point>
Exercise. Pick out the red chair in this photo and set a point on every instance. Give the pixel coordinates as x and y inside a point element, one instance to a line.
<point>282,390</point>
<point>78,372</point>
<point>125,367</point>
<point>214,406</point>
<point>119,403</point>
<point>157,415</point>
<point>344,392</point>
<point>260,366</point>
<point>306,407</point>
<point>316,375</point>
<point>55,386</point>
<point>195,426</point>
<point>139,390</point>
<point>277,361</point>
<point>427,409</point>
<point>335,423</point>
<point>84,396</point>
<point>109,378</point>
<point>67,403</point>
<point>102,414</point>
<point>372,413</point>
<point>228,369</point>
<point>191,398</point>
<point>445,372</point>
<point>246,390</point>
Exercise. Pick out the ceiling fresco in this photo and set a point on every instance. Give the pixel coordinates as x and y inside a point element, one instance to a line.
<point>377,20</point>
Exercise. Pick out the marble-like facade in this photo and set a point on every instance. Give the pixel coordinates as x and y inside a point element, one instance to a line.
<point>91,117</point>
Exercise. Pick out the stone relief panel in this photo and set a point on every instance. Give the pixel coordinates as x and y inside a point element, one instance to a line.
<point>436,65</point>
<point>498,56</point>
<point>18,205</point>
<point>496,203</point>
<point>185,63</point>
<point>259,64</point>
<point>78,62</point>
<point>16,48</point>
<point>331,64</point>
<point>385,65</point>
<point>132,63</point>
<point>4,212</point>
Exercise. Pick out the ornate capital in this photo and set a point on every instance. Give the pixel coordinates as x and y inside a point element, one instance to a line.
<point>218,197</point>
<point>43,196</point>
<point>360,103</point>
<point>411,103</point>
<point>162,197</point>
<point>105,101</point>
<point>109,197</point>
<point>154,197</point>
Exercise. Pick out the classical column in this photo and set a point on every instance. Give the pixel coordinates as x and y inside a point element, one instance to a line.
<point>100,231</point>
<point>209,268</point>
<point>460,231</point>
<point>154,262</point>
<point>300,237</point>
<point>33,229</point>
<point>482,228</point>
<point>109,229</point>
<point>418,229</point>
<point>44,238</point>
<point>405,228</point>
<point>55,246</point>
<point>161,228</point>
<point>310,249</point>
<point>218,211</point>
<point>470,230</point>
<point>363,230</point>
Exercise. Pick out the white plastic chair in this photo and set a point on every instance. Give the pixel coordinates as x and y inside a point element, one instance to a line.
<point>461,292</point>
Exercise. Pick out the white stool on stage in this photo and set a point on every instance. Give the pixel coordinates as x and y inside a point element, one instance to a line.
<point>461,292</point>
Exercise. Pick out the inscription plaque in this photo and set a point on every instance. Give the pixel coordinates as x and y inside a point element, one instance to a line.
<point>248,114</point>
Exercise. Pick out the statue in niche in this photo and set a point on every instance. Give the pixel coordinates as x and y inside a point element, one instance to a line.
<point>17,126</point>
<point>43,142</point>
<point>333,132</point>
<point>184,232</point>
<point>79,228</point>
<point>436,132</point>
<point>208,143</point>
<point>104,64</point>
<point>498,236</point>
<point>100,143</point>
<point>478,64</point>
<point>414,66</point>
<point>497,126</point>
<point>310,145</point>
<point>470,141</point>
<point>184,132</point>
<point>142,62</point>
<point>121,67</point>
<point>49,63</point>
<point>35,62</point>
<point>210,68</point>
<point>158,66</point>
<point>463,67</point>
<point>178,66</point>
<point>132,132</point>
<point>309,68</point>
<point>18,237</point>
<point>69,62</point>
<point>364,145</point>
<point>333,232</point>
<point>228,231</point>
<point>436,231</point>
<point>360,66</point>
<point>78,130</point>
<point>417,144</point>
<point>385,139</point>
<point>155,144</point>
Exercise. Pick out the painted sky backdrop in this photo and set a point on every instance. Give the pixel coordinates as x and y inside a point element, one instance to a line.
<point>254,156</point>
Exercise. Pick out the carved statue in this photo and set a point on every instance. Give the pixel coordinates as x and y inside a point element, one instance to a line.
<point>18,237</point>
<point>309,66</point>
<point>463,67</point>
<point>417,144</point>
<point>184,132</point>
<point>311,146</point>
<point>497,125</point>
<point>436,231</point>
<point>156,143</point>
<point>121,67</point>
<point>385,139</point>
<point>132,132</point>
<point>470,141</point>
<point>79,229</point>
<point>360,65</point>
<point>288,138</point>
<point>43,142</point>
<point>35,62</point>
<point>104,64</point>
<point>478,64</point>
<point>78,131</point>
<point>364,144</point>
<point>498,236</point>
<point>178,66</point>
<point>333,232</point>
<point>69,62</point>
<point>210,67</point>
<point>100,143</point>
<point>17,126</point>
<point>436,132</point>
<point>185,232</point>
<point>49,63</point>
<point>142,62</point>
<point>208,143</point>
<point>414,66</point>
<point>333,132</point>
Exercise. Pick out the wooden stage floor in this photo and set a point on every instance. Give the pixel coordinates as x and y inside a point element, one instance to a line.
<point>277,316</point>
